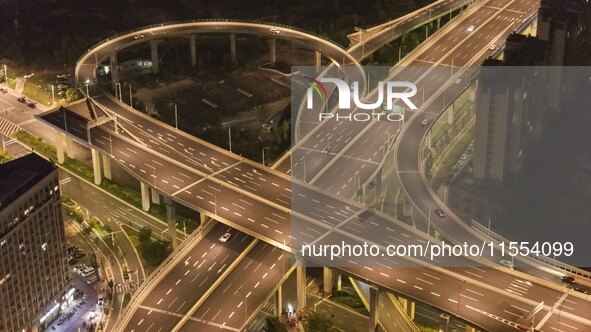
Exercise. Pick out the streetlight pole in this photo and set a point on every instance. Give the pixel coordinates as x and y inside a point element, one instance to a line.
<point>266,147</point>
<point>176,116</point>
<point>488,223</point>
<point>6,75</point>
<point>230,138</point>
<point>130,96</point>
<point>53,93</point>
<point>429,223</point>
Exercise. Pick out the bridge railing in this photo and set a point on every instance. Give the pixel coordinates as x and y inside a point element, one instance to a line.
<point>542,259</point>
<point>117,35</point>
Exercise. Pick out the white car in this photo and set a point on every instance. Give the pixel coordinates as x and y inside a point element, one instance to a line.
<point>224,238</point>
<point>506,263</point>
<point>274,31</point>
<point>425,122</point>
<point>136,37</point>
<point>471,28</point>
<point>492,47</point>
<point>458,81</point>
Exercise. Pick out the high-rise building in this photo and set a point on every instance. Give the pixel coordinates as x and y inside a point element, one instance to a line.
<point>33,257</point>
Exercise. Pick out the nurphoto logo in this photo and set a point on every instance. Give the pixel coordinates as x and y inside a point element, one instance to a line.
<point>394,90</point>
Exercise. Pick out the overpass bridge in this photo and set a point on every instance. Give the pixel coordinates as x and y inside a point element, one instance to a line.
<point>202,176</point>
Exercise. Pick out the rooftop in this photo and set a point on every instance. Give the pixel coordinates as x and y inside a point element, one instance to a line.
<point>17,176</point>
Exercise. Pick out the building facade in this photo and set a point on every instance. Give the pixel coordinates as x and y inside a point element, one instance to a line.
<point>33,256</point>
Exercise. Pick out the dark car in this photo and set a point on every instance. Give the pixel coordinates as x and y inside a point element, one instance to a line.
<point>581,290</point>
<point>22,99</point>
<point>567,279</point>
<point>31,105</point>
<point>440,213</point>
<point>4,90</point>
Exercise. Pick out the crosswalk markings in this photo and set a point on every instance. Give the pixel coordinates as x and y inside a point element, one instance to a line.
<point>7,128</point>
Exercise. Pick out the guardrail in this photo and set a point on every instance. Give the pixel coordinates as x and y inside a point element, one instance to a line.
<point>90,49</point>
<point>543,259</point>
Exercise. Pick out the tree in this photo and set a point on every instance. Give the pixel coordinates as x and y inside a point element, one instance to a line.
<point>4,157</point>
<point>272,324</point>
<point>156,251</point>
<point>318,322</point>
<point>145,235</point>
<point>72,95</point>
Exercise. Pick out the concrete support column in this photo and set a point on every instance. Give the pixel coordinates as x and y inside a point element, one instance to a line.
<point>339,286</point>
<point>327,281</point>
<point>278,302</point>
<point>411,310</point>
<point>301,282</point>
<point>69,147</point>
<point>378,181</point>
<point>272,50</point>
<point>114,68</point>
<point>154,52</point>
<point>438,23</point>
<point>107,166</point>
<point>450,113</point>
<point>233,46</point>
<point>193,50</point>
<point>374,298</point>
<point>96,165</point>
<point>428,140</point>
<point>470,329</point>
<point>318,57</point>
<point>171,220</point>
<point>145,191</point>
<point>155,196</point>
<point>406,205</point>
<point>403,303</point>
<point>59,146</point>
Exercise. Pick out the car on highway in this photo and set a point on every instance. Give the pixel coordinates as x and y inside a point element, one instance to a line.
<point>224,238</point>
<point>567,279</point>
<point>22,99</point>
<point>492,47</point>
<point>581,290</point>
<point>506,263</point>
<point>439,213</point>
<point>4,90</point>
<point>274,31</point>
<point>32,104</point>
<point>136,37</point>
<point>471,28</point>
<point>425,122</point>
<point>458,81</point>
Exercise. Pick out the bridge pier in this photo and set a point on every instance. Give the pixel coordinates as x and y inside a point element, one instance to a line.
<point>301,282</point>
<point>59,146</point>
<point>273,50</point>
<point>154,53</point>
<point>155,196</point>
<point>96,165</point>
<point>374,298</point>
<point>193,50</point>
<point>378,180</point>
<point>145,192</point>
<point>327,281</point>
<point>438,23</point>
<point>107,166</point>
<point>428,139</point>
<point>233,46</point>
<point>114,67</point>
<point>278,305</point>
<point>318,57</point>
<point>450,113</point>
<point>171,220</point>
